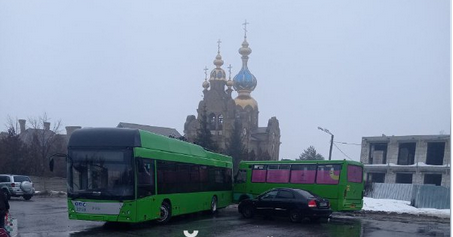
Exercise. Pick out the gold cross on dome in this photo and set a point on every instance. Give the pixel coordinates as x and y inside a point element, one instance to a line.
<point>218,45</point>
<point>245,27</point>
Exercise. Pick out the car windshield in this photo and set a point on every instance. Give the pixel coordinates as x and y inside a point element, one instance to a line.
<point>21,178</point>
<point>100,174</point>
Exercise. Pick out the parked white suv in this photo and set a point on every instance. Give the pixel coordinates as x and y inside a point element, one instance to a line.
<point>17,186</point>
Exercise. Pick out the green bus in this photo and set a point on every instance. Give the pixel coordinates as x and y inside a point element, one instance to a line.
<point>340,181</point>
<point>131,175</point>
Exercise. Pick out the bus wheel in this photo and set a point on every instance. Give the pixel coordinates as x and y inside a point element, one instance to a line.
<point>165,213</point>
<point>295,216</point>
<point>214,205</point>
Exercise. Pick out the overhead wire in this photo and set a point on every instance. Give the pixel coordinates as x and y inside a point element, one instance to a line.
<point>348,143</point>
<point>342,152</point>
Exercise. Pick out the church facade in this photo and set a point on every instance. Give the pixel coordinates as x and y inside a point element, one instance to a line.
<point>223,110</point>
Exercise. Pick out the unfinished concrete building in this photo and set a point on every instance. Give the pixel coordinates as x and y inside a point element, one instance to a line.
<point>421,159</point>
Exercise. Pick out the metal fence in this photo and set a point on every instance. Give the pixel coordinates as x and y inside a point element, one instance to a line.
<point>420,196</point>
<point>428,196</point>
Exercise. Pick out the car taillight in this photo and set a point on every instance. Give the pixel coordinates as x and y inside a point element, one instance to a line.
<point>13,185</point>
<point>312,203</point>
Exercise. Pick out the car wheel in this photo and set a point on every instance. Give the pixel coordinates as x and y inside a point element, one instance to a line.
<point>27,197</point>
<point>214,205</point>
<point>165,213</point>
<point>315,219</point>
<point>295,216</point>
<point>248,211</point>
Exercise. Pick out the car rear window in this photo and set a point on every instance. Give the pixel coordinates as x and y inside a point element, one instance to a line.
<point>4,179</point>
<point>306,194</point>
<point>20,178</point>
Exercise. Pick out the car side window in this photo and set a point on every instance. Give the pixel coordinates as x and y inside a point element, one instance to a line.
<point>269,196</point>
<point>285,194</point>
<point>4,179</point>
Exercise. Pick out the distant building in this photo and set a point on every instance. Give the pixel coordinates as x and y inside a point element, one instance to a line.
<point>422,159</point>
<point>222,110</point>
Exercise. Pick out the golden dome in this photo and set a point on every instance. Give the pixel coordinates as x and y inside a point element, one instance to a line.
<point>205,84</point>
<point>243,101</point>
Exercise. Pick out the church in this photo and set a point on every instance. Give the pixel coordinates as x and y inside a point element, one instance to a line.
<point>262,143</point>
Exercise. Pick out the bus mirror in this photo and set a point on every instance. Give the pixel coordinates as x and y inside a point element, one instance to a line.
<point>51,163</point>
<point>52,157</point>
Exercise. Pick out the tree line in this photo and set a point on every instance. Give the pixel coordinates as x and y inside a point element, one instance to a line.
<point>27,152</point>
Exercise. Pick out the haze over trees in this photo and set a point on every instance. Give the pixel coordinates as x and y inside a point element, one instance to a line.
<point>204,136</point>
<point>310,154</point>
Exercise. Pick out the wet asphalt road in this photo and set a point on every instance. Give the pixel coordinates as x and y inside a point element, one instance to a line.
<point>47,217</point>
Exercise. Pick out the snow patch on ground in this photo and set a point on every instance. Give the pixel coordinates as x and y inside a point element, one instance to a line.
<point>401,207</point>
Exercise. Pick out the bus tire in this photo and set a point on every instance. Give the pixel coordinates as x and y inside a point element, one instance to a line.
<point>214,205</point>
<point>295,216</point>
<point>165,213</point>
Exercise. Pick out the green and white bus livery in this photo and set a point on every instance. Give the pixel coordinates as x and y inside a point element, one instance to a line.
<point>131,175</point>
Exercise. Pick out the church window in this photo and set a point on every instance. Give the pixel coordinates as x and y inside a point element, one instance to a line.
<point>220,123</point>
<point>212,122</point>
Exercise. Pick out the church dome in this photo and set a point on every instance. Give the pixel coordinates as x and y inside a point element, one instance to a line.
<point>218,73</point>
<point>246,100</point>
<point>230,83</point>
<point>244,80</point>
<point>205,84</point>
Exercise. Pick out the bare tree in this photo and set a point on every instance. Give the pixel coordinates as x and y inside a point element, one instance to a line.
<point>43,141</point>
<point>13,153</point>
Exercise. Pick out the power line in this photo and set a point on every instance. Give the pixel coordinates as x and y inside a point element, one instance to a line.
<point>343,152</point>
<point>348,143</point>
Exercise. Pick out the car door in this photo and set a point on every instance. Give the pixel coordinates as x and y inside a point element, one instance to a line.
<point>284,202</point>
<point>265,204</point>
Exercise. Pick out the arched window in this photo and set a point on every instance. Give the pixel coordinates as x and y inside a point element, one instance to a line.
<point>212,121</point>
<point>220,123</point>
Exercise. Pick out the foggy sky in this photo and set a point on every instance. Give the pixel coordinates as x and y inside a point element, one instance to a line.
<point>358,68</point>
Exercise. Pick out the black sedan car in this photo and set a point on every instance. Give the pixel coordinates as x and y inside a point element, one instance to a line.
<point>296,204</point>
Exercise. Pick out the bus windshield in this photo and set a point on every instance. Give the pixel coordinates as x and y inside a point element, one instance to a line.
<point>100,174</point>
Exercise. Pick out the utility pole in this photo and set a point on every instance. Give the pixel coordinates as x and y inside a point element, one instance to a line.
<point>331,140</point>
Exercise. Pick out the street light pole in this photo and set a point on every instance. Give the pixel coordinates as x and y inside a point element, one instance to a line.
<point>331,140</point>
<point>331,143</point>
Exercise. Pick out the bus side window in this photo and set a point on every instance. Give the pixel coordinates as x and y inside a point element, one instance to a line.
<point>259,174</point>
<point>303,174</point>
<point>278,173</point>
<point>328,174</point>
<point>355,174</point>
